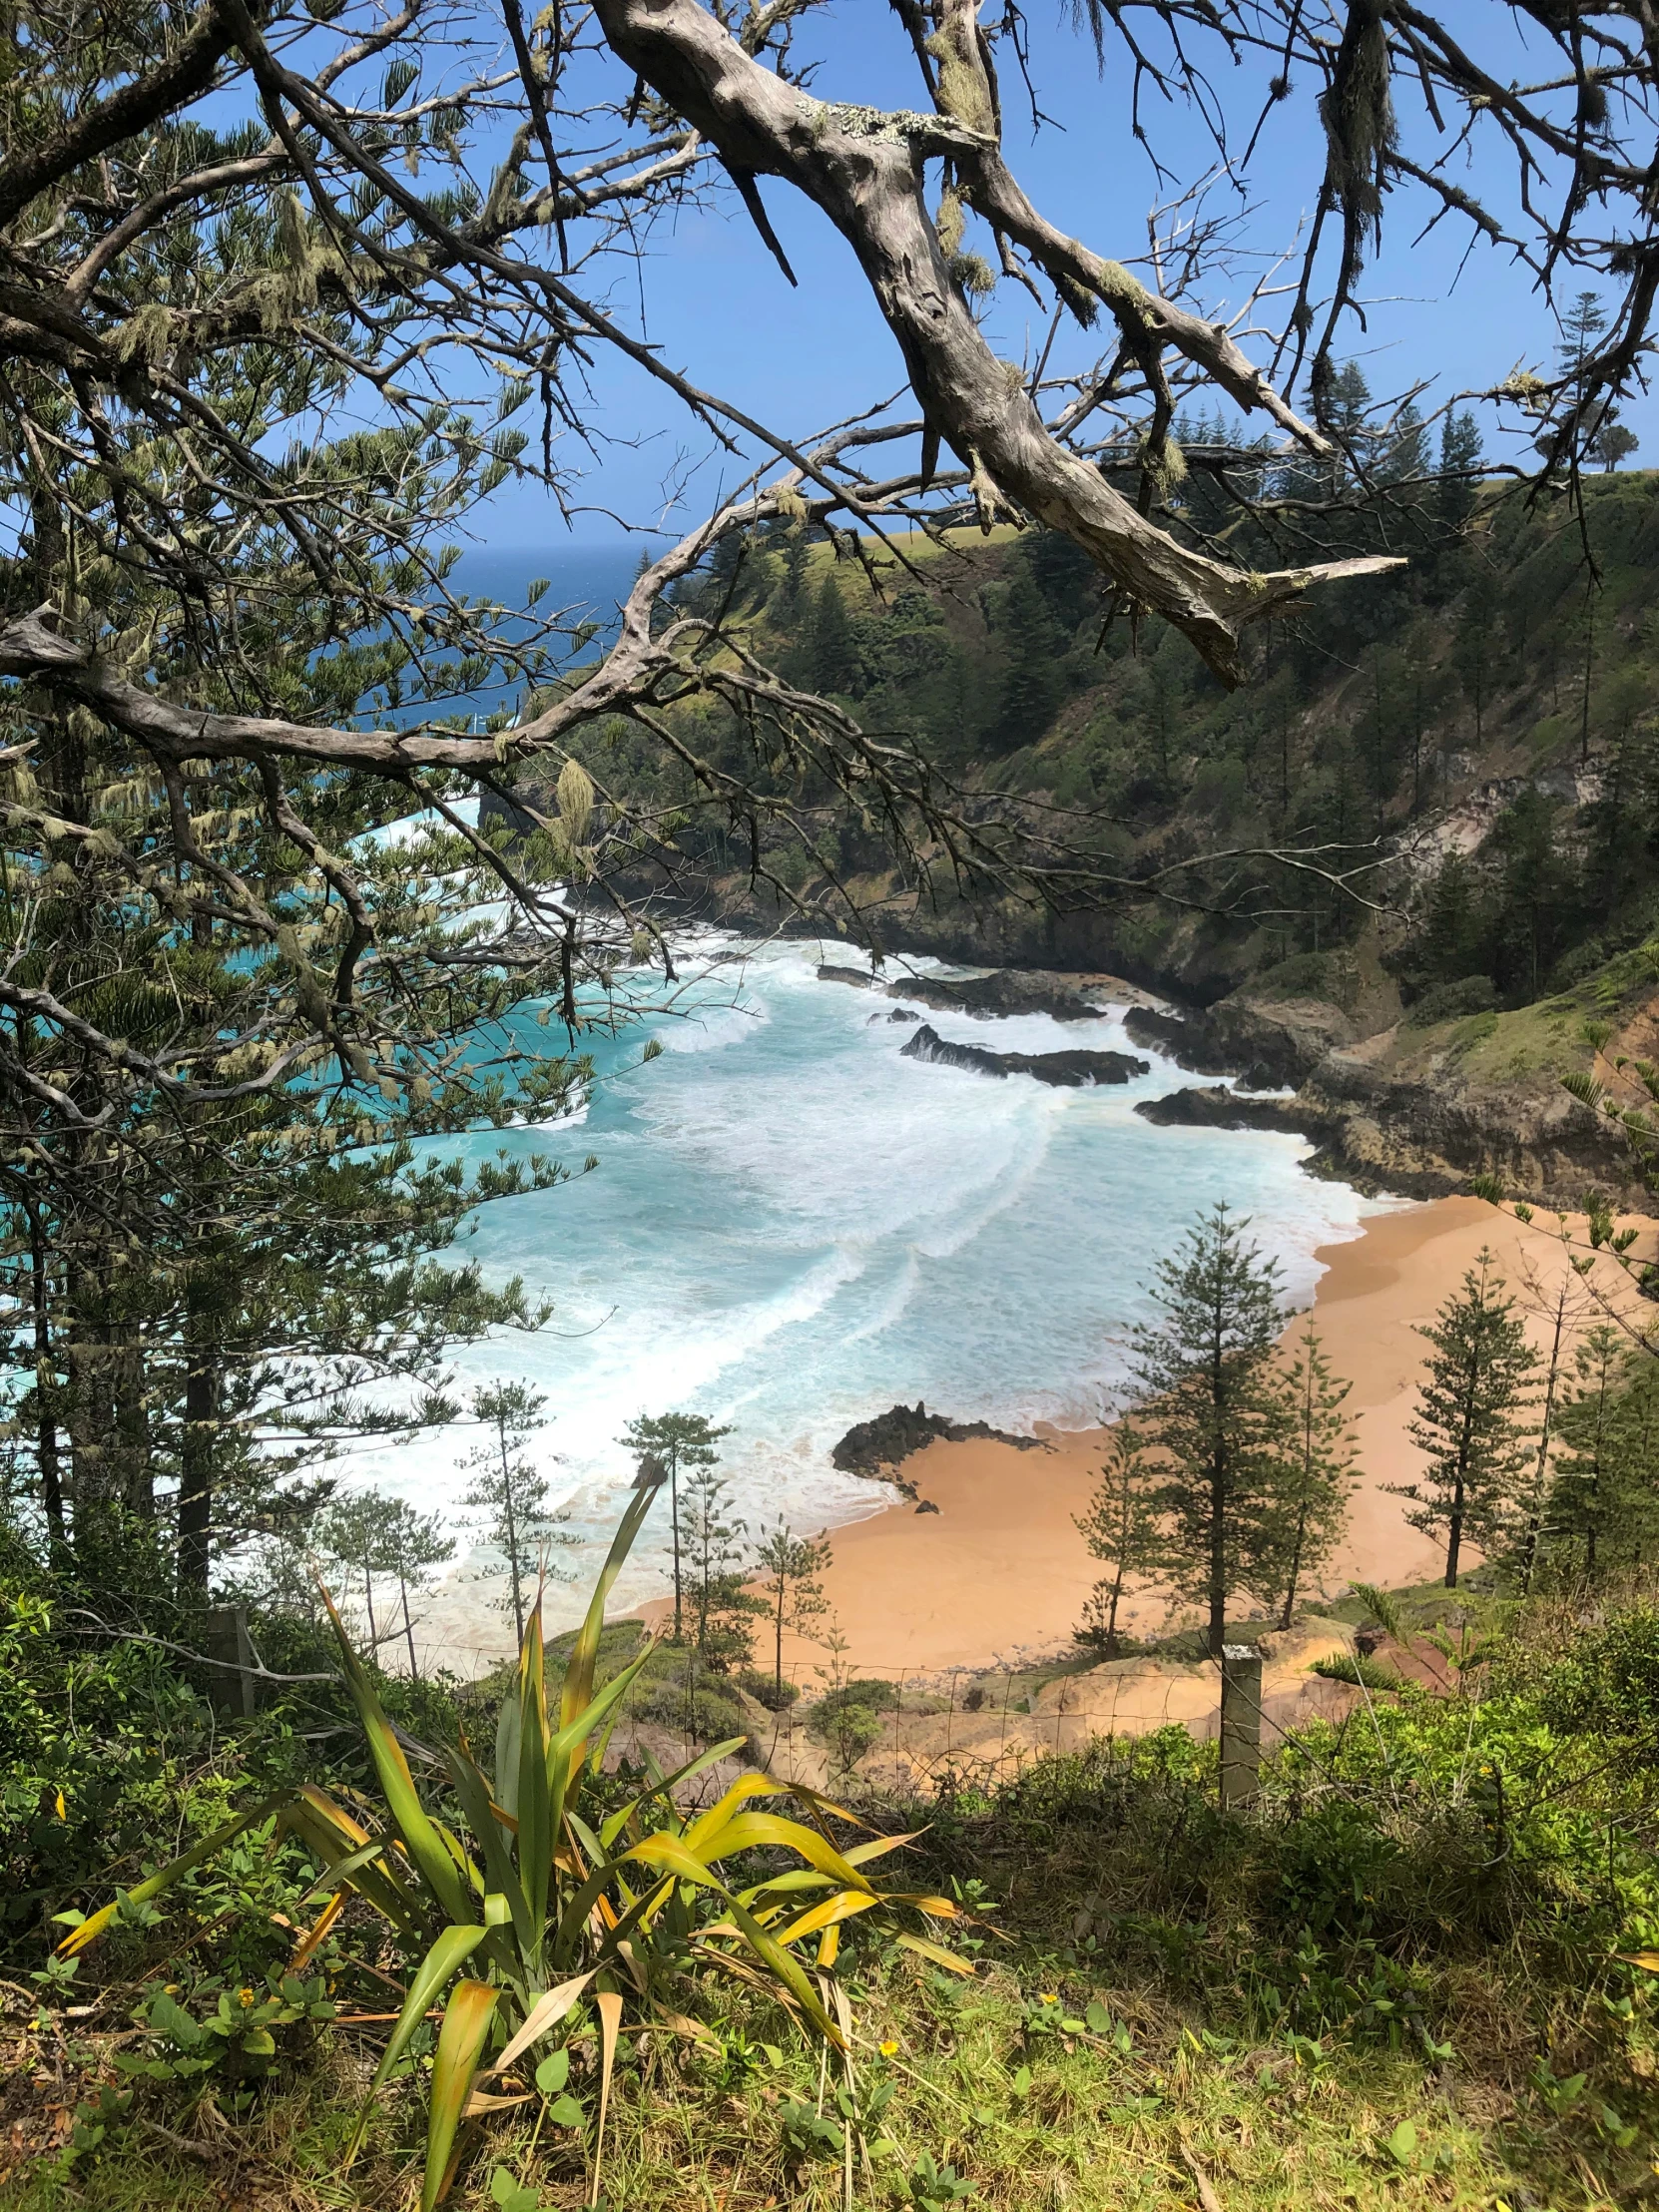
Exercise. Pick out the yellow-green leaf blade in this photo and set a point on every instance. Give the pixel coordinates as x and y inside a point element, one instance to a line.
<point>466,2023</point>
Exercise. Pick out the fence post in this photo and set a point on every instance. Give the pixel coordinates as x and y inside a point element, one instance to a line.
<point>1240,1724</point>
<point>230,1656</point>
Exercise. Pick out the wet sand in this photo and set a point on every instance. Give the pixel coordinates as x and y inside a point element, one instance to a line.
<point>1000,1574</point>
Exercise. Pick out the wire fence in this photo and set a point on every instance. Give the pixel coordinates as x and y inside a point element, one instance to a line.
<point>910,1730</point>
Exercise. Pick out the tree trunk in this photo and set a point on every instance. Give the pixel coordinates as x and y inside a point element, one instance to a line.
<point>1454,1535</point>
<point>1112,1615</point>
<point>408,1627</point>
<point>199,1446</point>
<point>674,1511</point>
<point>512,1534</point>
<point>1295,1576</point>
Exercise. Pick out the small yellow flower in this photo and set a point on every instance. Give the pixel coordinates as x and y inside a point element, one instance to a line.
<point>890,2048</point>
<point>63,1808</point>
<point>246,1995</point>
<point>1048,1996</point>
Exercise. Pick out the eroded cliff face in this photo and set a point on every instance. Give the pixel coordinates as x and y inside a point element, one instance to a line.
<point>1420,1112</point>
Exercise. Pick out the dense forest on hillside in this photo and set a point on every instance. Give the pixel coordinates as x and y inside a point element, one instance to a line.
<point>1503,678</point>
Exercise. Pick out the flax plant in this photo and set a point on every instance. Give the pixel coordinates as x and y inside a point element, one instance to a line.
<point>533,1907</point>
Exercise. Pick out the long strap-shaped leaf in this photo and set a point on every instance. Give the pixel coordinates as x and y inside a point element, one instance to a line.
<point>609,2008</point>
<point>669,1853</point>
<point>474,1792</point>
<point>547,2012</point>
<point>466,2023</point>
<point>451,1951</point>
<point>338,1839</point>
<point>538,1832</point>
<point>717,1813</point>
<point>564,1754</point>
<point>788,1970</point>
<point>748,1831</point>
<point>844,1907</point>
<point>584,1652</point>
<point>95,1923</point>
<point>506,1757</point>
<point>420,1838</point>
<point>662,1786</point>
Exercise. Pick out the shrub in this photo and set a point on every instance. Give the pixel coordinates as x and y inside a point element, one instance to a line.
<point>1470,994</point>
<point>1608,1685</point>
<point>765,1690</point>
<point>641,1904</point>
<point>848,1718</point>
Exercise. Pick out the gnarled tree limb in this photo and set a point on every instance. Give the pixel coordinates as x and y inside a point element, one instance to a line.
<point>864,168</point>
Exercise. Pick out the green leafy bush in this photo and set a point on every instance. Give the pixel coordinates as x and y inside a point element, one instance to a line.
<point>1469,994</point>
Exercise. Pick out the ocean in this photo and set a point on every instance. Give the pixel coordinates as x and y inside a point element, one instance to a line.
<point>792,1227</point>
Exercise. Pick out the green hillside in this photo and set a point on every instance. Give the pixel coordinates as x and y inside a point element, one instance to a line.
<point>1485,718</point>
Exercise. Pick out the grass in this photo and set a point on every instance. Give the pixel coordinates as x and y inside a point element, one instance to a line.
<point>1397,1983</point>
<point>1033,2115</point>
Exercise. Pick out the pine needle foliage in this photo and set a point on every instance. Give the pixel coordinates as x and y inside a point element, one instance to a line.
<point>1474,1389</point>
<point>1120,1526</point>
<point>1214,1412</point>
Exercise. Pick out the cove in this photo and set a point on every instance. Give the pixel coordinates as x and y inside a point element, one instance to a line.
<point>792,1226</point>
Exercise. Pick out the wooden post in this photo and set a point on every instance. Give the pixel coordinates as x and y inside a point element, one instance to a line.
<point>1240,1724</point>
<point>230,1656</point>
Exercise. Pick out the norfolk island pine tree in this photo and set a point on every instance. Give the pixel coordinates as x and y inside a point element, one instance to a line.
<point>1474,1383</point>
<point>1216,1410</point>
<point>675,1440</point>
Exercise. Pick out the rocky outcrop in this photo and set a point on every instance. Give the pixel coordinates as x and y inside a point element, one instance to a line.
<point>1424,1126</point>
<point>876,1448</point>
<point>1420,1113</point>
<point>1269,1044</point>
<point>1220,1108</point>
<point>1003,992</point>
<point>1007,992</point>
<point>1068,1071</point>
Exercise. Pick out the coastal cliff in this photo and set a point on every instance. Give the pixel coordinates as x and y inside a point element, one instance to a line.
<point>1407,873</point>
<point>1419,1111</point>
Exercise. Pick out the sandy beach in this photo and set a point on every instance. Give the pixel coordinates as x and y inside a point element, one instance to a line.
<point>999,1574</point>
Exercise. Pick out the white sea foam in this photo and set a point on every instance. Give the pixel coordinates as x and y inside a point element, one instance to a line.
<point>792,1226</point>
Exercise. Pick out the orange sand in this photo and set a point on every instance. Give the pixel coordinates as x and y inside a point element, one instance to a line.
<point>1001,1574</point>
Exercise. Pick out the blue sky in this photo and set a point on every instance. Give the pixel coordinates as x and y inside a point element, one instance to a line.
<point>721,311</point>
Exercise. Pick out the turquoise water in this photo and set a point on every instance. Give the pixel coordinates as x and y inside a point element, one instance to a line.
<point>792,1227</point>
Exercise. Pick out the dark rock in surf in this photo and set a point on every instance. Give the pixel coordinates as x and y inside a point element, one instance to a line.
<point>1007,992</point>
<point>1264,1049</point>
<point>875,1448</point>
<point>860,978</point>
<point>1068,1071</point>
<point>1220,1108</point>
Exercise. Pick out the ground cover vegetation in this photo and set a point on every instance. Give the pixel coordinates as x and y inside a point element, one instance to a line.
<point>290,293</point>
<point>1423,1963</point>
<point>1413,1973</point>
